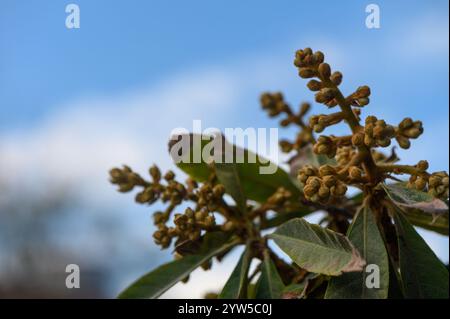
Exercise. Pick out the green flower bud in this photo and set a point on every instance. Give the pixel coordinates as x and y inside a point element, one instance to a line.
<point>309,191</point>
<point>318,57</point>
<point>219,190</point>
<point>422,165</point>
<point>324,70</point>
<point>403,142</point>
<point>358,139</point>
<point>169,176</point>
<point>155,173</point>
<point>355,172</point>
<point>324,192</point>
<point>420,183</point>
<point>336,78</point>
<point>306,73</point>
<point>318,128</point>
<point>228,226</point>
<point>326,170</point>
<point>200,215</point>
<point>210,221</point>
<point>314,85</point>
<point>363,101</point>
<point>159,217</point>
<point>329,181</point>
<point>363,91</point>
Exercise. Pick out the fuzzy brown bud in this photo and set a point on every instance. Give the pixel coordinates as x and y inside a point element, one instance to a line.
<point>324,70</point>
<point>336,78</point>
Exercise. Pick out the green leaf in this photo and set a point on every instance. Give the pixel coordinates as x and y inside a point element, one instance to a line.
<point>270,285</point>
<point>297,291</point>
<point>423,274</point>
<point>395,290</point>
<point>317,249</point>
<point>438,224</point>
<point>420,208</point>
<point>237,285</point>
<point>366,237</point>
<point>294,291</point>
<point>228,176</point>
<point>251,291</point>
<point>407,197</point>
<point>358,198</point>
<point>156,282</point>
<point>255,186</point>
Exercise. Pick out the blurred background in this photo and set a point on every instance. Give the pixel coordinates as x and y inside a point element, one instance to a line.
<point>76,102</point>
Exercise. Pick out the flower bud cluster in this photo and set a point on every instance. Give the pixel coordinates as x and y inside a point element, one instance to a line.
<point>360,97</point>
<point>436,184</point>
<point>125,178</point>
<point>321,185</point>
<point>406,130</point>
<point>325,145</point>
<point>187,226</point>
<point>376,133</point>
<point>280,198</point>
<point>319,122</point>
<point>275,105</point>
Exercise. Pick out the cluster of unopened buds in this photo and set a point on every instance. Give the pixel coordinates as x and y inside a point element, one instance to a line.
<point>173,192</point>
<point>408,129</point>
<point>321,185</point>
<point>436,184</point>
<point>357,160</point>
<point>275,105</point>
<point>280,198</point>
<point>376,133</point>
<point>187,226</point>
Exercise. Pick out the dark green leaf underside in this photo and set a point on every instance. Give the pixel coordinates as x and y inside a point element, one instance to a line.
<point>270,285</point>
<point>365,236</point>
<point>156,282</point>
<point>423,274</point>
<point>236,286</point>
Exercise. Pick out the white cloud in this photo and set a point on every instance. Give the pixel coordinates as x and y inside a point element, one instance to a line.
<point>83,140</point>
<point>426,36</point>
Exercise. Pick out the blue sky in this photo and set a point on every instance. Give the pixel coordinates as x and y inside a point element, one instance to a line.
<point>126,44</point>
<point>73,103</point>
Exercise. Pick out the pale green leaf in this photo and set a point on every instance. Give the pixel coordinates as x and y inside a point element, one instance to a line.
<point>317,249</point>
<point>420,208</point>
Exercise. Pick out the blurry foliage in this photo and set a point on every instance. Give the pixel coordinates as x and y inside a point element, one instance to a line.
<point>32,261</point>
